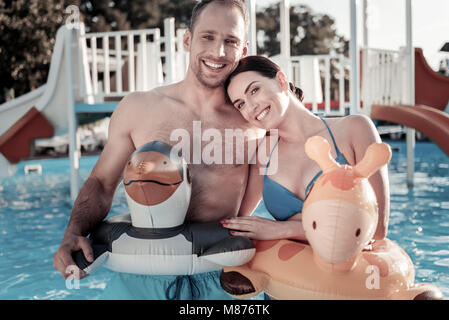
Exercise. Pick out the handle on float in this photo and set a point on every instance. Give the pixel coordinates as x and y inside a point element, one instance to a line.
<point>100,256</point>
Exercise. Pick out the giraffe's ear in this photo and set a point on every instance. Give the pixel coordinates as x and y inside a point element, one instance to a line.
<point>377,155</point>
<point>318,149</point>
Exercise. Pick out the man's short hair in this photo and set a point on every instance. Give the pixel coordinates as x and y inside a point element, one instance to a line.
<point>239,4</point>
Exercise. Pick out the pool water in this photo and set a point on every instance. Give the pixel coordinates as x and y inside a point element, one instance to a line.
<point>35,209</point>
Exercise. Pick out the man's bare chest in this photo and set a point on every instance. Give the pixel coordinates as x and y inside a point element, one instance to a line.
<point>206,141</point>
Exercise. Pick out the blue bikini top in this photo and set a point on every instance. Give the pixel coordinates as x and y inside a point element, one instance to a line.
<point>281,202</point>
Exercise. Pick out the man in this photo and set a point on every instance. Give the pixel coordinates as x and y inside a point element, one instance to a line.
<point>216,41</point>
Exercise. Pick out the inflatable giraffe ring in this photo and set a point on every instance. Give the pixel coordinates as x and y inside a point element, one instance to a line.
<point>339,217</point>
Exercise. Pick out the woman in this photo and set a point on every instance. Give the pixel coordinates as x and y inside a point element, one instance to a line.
<point>265,98</point>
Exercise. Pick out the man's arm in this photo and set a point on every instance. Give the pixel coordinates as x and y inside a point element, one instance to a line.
<point>95,197</point>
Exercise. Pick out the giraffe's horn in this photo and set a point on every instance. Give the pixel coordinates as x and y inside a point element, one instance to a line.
<point>318,149</point>
<point>377,155</point>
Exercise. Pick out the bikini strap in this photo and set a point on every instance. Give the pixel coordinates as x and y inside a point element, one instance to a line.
<point>338,154</point>
<point>269,159</point>
<point>312,182</point>
<point>332,137</point>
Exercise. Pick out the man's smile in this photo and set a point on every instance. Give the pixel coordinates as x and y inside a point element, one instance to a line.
<point>213,66</point>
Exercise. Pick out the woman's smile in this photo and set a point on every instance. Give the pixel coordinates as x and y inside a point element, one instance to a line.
<point>263,114</point>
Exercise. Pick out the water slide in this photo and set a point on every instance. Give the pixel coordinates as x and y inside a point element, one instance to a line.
<point>428,120</point>
<point>49,109</point>
<point>431,98</point>
<point>42,112</point>
<point>431,88</point>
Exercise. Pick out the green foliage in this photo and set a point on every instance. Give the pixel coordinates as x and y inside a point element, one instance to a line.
<point>28,31</point>
<point>27,38</point>
<point>137,14</point>
<point>310,33</point>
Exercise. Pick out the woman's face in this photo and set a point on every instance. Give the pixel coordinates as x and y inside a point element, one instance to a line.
<point>261,101</point>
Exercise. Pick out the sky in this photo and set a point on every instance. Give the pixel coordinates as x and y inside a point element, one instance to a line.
<point>387,23</point>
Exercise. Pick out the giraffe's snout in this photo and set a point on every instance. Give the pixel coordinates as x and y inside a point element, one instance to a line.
<point>337,230</point>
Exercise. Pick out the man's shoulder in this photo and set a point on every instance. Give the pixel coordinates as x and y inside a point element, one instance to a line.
<point>139,98</point>
<point>145,100</point>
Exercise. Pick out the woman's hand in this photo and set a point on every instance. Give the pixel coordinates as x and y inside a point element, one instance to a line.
<point>254,227</point>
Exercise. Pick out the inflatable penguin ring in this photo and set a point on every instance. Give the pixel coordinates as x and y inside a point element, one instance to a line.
<point>153,238</point>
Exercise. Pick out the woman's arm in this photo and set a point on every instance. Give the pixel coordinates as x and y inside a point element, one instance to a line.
<point>259,228</point>
<point>253,192</point>
<point>254,186</point>
<point>362,134</point>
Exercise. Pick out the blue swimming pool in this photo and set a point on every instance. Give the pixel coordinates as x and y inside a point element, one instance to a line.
<point>34,211</point>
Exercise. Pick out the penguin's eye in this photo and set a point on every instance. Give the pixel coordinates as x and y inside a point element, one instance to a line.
<point>189,178</point>
<point>165,162</point>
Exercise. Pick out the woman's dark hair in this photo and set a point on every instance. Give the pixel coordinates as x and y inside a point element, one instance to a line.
<point>264,67</point>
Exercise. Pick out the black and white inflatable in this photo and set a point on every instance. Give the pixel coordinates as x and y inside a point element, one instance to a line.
<point>153,238</point>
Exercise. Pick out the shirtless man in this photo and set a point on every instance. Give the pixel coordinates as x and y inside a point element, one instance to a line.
<point>216,41</point>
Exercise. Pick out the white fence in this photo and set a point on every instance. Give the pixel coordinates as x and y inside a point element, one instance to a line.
<point>384,78</point>
<point>125,61</point>
<point>308,72</point>
<point>121,62</point>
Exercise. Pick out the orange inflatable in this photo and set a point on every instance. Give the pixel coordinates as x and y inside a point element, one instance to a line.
<point>339,216</point>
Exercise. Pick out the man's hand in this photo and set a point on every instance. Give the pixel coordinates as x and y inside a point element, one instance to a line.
<point>62,259</point>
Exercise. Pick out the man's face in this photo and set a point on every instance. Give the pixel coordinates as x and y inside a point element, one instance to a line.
<point>216,44</point>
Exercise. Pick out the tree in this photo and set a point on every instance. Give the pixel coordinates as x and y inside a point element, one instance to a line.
<point>150,14</point>
<point>28,31</point>
<point>27,38</point>
<point>310,34</point>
